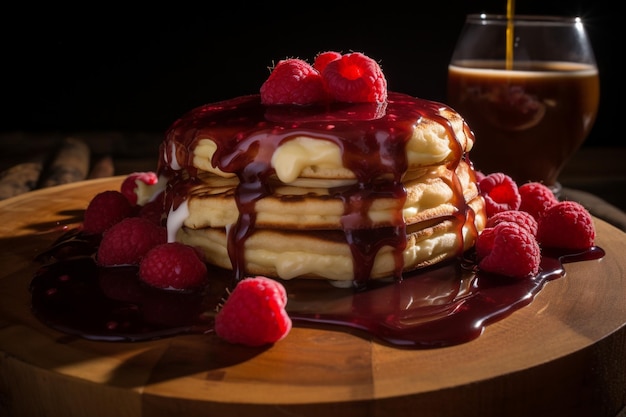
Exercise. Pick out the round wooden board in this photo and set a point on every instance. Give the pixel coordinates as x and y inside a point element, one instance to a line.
<point>564,354</point>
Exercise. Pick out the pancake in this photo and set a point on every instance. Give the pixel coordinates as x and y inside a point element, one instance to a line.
<point>303,156</point>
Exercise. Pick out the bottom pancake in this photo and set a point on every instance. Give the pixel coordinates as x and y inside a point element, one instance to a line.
<point>289,254</point>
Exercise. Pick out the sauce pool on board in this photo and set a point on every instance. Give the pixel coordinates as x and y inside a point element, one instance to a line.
<point>445,305</point>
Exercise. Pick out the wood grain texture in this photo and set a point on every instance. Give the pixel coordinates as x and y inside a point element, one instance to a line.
<point>564,354</point>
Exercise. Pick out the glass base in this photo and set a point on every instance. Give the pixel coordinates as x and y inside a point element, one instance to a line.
<point>556,189</point>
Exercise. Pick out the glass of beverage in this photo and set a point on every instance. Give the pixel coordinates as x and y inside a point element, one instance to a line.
<point>528,88</point>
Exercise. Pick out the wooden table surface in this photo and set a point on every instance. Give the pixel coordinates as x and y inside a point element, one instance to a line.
<point>563,355</point>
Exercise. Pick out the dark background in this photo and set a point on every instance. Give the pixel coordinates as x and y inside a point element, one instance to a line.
<point>108,68</point>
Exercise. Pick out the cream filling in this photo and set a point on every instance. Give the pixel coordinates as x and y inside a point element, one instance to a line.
<point>292,157</point>
<point>175,220</point>
<point>169,155</point>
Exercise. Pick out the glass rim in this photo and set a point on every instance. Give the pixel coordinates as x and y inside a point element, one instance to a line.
<point>521,18</point>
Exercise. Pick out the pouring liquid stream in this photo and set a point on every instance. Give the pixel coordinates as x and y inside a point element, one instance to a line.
<point>510,12</point>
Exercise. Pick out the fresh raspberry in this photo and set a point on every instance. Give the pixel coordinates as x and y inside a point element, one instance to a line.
<point>136,187</point>
<point>254,313</point>
<point>521,218</point>
<point>484,243</point>
<point>173,265</point>
<point>126,242</point>
<point>323,58</point>
<point>566,225</point>
<point>536,198</point>
<point>355,78</point>
<point>104,210</point>
<point>293,81</point>
<point>514,252</point>
<point>500,193</point>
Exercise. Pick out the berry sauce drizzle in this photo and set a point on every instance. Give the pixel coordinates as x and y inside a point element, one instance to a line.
<point>445,305</point>
<point>372,138</point>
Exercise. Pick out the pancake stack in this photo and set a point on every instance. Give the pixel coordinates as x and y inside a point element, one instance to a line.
<point>342,191</point>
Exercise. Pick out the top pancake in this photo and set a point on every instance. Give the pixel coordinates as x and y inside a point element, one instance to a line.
<point>337,141</point>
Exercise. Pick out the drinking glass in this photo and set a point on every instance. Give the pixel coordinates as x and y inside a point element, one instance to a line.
<point>528,88</point>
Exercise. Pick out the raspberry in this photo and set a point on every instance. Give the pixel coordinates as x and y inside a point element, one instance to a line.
<point>522,218</point>
<point>104,210</point>
<point>136,187</point>
<point>536,198</point>
<point>484,243</point>
<point>293,81</point>
<point>254,313</point>
<point>323,58</point>
<point>174,266</point>
<point>355,78</point>
<point>514,252</point>
<point>126,242</point>
<point>566,225</point>
<point>500,193</point>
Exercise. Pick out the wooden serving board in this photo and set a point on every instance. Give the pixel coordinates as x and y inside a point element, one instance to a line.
<point>564,354</point>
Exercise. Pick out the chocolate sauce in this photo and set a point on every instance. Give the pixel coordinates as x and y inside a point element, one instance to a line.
<point>372,138</point>
<point>444,305</point>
